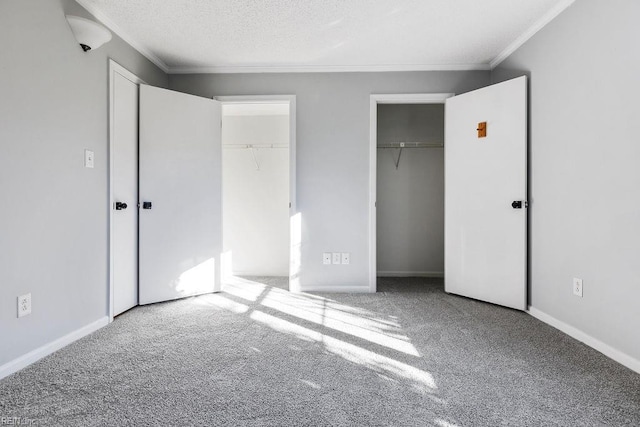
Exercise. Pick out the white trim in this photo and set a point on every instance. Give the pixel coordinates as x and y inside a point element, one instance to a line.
<point>412,98</point>
<point>335,289</point>
<point>114,68</point>
<point>27,359</point>
<point>607,350</point>
<point>265,68</point>
<point>530,32</point>
<point>410,273</point>
<point>100,16</point>
<point>374,100</point>
<point>253,99</point>
<point>249,99</point>
<point>259,274</point>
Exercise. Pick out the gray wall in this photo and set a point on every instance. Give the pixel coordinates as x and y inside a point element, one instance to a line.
<point>584,145</point>
<point>410,213</point>
<point>54,213</point>
<point>332,152</point>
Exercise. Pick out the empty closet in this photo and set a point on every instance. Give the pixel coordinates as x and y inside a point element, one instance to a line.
<point>410,190</point>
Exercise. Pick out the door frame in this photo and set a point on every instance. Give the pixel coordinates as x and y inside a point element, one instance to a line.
<point>374,100</point>
<point>114,68</point>
<point>265,99</point>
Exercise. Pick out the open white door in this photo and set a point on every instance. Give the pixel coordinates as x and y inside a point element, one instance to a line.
<point>124,175</point>
<point>180,195</point>
<point>485,194</point>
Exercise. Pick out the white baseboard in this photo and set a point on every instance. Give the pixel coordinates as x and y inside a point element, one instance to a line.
<point>607,350</point>
<point>260,274</point>
<point>410,273</point>
<point>336,289</point>
<point>27,359</point>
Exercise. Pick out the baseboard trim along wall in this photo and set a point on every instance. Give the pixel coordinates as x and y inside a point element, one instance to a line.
<point>339,289</point>
<point>410,273</point>
<point>25,360</point>
<point>260,274</point>
<point>607,350</point>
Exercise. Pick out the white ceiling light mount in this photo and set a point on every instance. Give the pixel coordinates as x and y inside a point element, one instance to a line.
<point>89,34</point>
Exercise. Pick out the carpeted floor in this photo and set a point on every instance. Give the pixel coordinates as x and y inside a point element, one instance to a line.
<point>256,355</point>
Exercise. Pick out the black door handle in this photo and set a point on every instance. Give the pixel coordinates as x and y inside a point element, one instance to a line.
<point>517,204</point>
<point>146,205</point>
<point>120,206</point>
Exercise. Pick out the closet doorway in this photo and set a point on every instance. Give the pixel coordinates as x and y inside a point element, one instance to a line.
<point>407,186</point>
<point>258,182</point>
<point>485,192</point>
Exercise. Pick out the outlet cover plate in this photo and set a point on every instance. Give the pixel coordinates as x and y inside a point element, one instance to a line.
<point>577,287</point>
<point>346,258</point>
<point>24,305</point>
<point>326,258</point>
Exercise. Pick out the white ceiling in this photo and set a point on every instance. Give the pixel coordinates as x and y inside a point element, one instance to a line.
<point>324,35</point>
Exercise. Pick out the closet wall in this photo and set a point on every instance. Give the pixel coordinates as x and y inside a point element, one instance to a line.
<point>256,191</point>
<point>410,199</point>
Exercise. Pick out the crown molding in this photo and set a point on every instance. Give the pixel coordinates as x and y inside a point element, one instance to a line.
<point>97,13</point>
<point>236,69</point>
<point>530,32</point>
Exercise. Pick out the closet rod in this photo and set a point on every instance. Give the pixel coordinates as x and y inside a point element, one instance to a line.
<point>402,145</point>
<point>397,145</point>
<point>248,146</point>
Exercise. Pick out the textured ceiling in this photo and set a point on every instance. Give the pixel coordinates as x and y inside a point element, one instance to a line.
<point>317,34</point>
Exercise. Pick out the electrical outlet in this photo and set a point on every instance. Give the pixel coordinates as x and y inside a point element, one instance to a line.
<point>346,258</point>
<point>326,258</point>
<point>337,258</point>
<point>577,287</point>
<point>24,305</point>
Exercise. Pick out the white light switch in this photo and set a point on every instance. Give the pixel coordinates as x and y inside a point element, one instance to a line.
<point>577,287</point>
<point>336,258</point>
<point>346,258</point>
<point>88,159</point>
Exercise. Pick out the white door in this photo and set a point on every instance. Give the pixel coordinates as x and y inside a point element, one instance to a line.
<point>125,193</point>
<point>485,178</point>
<point>180,195</point>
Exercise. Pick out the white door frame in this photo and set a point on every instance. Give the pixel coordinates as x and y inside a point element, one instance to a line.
<point>374,100</point>
<point>262,99</point>
<point>114,68</point>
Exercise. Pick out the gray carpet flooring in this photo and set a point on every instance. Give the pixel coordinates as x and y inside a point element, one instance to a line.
<point>257,355</point>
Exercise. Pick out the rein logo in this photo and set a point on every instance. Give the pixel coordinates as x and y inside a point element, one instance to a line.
<point>17,421</point>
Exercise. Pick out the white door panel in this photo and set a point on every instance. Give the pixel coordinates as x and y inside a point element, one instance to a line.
<point>485,237</point>
<point>125,190</point>
<point>180,174</point>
